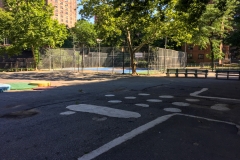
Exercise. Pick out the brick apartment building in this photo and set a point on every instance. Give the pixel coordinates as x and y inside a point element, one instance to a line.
<point>196,54</point>
<point>65,11</point>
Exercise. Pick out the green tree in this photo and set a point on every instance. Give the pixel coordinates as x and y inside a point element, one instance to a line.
<point>68,43</point>
<point>6,22</point>
<point>32,27</point>
<point>85,33</point>
<point>233,37</point>
<point>213,26</point>
<point>141,22</point>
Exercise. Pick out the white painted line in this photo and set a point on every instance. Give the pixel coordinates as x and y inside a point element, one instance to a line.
<point>124,138</point>
<point>181,104</point>
<point>67,113</point>
<point>166,96</point>
<point>109,95</point>
<point>174,110</point>
<point>142,105</point>
<point>106,147</point>
<point>208,119</point>
<point>220,107</point>
<point>114,101</point>
<point>195,94</point>
<point>143,94</point>
<point>106,111</point>
<point>154,100</point>
<point>192,100</point>
<point>130,97</point>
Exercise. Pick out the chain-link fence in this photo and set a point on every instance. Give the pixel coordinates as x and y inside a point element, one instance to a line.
<point>151,58</point>
<point>100,58</point>
<point>17,64</point>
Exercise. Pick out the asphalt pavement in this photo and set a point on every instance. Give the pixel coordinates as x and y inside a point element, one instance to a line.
<point>103,116</point>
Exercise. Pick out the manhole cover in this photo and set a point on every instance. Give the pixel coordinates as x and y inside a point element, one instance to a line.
<point>21,114</point>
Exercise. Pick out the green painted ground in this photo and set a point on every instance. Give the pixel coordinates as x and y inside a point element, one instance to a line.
<point>22,86</point>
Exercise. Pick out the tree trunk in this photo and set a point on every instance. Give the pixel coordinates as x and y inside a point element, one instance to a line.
<point>34,58</point>
<point>212,54</point>
<point>133,64</point>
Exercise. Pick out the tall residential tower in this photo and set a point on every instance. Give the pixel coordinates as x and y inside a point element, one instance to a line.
<point>65,11</point>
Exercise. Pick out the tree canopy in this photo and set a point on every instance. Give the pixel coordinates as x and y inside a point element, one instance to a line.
<point>32,27</point>
<point>85,33</point>
<point>141,22</point>
<point>214,25</point>
<point>233,37</point>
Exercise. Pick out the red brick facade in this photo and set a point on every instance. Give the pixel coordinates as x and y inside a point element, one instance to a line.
<point>196,54</point>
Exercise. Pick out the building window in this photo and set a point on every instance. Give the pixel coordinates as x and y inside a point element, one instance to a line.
<point>190,47</point>
<point>200,56</point>
<point>189,55</point>
<point>200,48</point>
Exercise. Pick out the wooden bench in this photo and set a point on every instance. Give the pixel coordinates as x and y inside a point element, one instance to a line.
<point>186,72</point>
<point>228,73</point>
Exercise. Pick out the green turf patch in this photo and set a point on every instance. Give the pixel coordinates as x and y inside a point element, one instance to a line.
<point>22,86</point>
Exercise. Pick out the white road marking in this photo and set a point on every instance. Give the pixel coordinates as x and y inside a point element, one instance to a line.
<point>195,94</point>
<point>114,101</point>
<point>124,138</point>
<point>109,95</point>
<point>127,136</point>
<point>208,119</point>
<point>220,107</point>
<point>154,100</point>
<point>181,104</point>
<point>166,96</point>
<point>130,97</point>
<point>192,100</point>
<point>175,110</point>
<point>67,113</point>
<point>106,111</point>
<point>143,94</point>
<point>142,105</point>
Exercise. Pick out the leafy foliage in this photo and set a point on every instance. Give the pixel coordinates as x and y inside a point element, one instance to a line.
<point>140,22</point>
<point>234,37</point>
<point>85,33</point>
<point>32,27</point>
<point>214,25</point>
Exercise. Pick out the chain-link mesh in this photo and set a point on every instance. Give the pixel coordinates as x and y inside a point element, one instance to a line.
<point>158,59</point>
<point>149,58</point>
